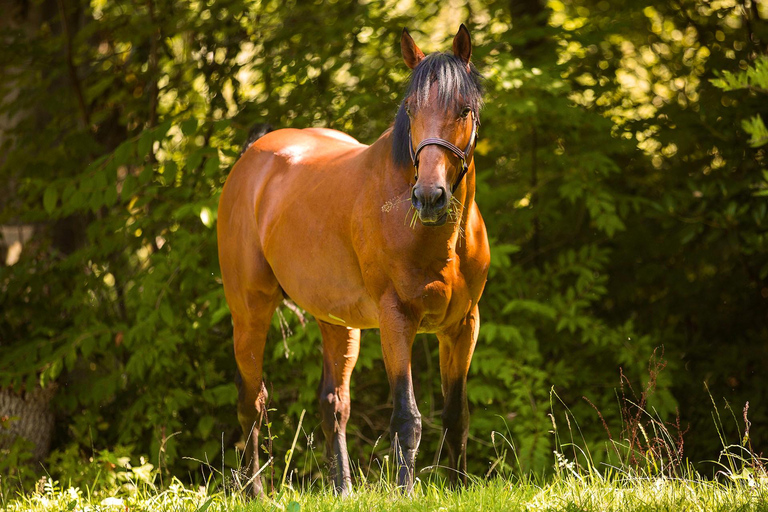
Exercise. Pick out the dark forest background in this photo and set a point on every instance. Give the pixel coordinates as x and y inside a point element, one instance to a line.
<point>622,173</point>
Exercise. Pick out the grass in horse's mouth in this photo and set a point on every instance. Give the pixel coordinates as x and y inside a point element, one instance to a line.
<point>455,207</point>
<point>414,217</point>
<point>392,203</point>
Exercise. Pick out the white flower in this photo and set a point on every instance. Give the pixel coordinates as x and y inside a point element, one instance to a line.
<point>112,502</point>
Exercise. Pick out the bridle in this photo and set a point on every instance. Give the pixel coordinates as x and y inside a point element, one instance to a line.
<point>435,141</point>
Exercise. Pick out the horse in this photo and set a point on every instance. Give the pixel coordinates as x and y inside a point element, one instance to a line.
<point>384,236</point>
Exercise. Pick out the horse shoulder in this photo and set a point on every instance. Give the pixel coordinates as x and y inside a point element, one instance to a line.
<point>477,258</point>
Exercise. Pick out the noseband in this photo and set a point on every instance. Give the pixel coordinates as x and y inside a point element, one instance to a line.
<point>434,141</point>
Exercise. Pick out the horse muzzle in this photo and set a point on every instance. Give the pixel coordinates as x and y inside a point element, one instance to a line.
<point>432,204</point>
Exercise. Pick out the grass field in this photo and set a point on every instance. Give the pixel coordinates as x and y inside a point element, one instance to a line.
<point>565,493</point>
<point>646,471</point>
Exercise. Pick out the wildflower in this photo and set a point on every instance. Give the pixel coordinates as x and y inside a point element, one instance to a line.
<point>112,502</point>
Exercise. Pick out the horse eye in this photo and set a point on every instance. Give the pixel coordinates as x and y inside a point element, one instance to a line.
<point>465,112</point>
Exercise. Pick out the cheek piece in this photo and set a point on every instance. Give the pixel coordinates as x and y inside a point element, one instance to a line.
<point>434,141</point>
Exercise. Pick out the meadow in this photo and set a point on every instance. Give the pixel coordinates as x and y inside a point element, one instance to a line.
<point>592,491</point>
<point>643,472</point>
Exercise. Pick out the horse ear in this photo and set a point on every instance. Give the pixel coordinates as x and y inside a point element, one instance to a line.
<point>411,53</point>
<point>462,45</point>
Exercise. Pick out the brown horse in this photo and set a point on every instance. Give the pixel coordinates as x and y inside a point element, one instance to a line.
<point>384,236</point>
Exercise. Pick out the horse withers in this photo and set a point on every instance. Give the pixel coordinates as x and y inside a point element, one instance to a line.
<point>384,236</point>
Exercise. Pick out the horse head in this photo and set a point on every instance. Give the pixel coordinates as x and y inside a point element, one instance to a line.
<point>438,122</point>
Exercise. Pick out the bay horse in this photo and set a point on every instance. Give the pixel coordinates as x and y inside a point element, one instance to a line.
<point>383,236</point>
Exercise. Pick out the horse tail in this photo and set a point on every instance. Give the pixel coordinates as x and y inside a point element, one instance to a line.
<point>257,131</point>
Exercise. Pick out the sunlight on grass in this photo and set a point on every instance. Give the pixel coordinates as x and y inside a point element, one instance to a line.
<point>574,492</point>
<point>645,471</point>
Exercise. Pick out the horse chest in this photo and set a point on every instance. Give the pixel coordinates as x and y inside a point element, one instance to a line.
<point>440,300</point>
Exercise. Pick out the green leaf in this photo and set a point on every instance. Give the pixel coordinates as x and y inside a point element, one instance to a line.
<point>755,127</point>
<point>124,153</point>
<point>166,313</point>
<point>162,130</point>
<point>189,127</point>
<point>531,306</point>
<point>211,168</point>
<point>205,505</point>
<point>129,186</point>
<point>170,169</point>
<point>146,174</point>
<point>194,160</point>
<point>145,143</point>
<point>110,195</point>
<point>205,425</point>
<point>100,180</point>
<point>66,195</point>
<point>50,198</point>
<point>219,314</point>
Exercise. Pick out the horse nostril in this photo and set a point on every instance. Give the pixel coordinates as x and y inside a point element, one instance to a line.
<point>415,199</point>
<point>442,198</point>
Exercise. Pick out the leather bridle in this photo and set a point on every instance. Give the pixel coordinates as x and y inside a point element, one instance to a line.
<point>464,156</point>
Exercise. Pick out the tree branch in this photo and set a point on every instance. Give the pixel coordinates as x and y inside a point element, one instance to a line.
<point>76,85</point>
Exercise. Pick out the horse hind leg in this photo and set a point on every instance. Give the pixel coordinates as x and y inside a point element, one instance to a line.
<point>250,332</point>
<point>341,347</point>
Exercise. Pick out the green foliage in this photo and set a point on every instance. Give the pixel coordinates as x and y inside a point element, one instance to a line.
<point>625,208</point>
<point>755,79</point>
<point>756,129</point>
<point>15,463</point>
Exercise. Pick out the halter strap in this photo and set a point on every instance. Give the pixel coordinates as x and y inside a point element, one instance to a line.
<point>435,141</point>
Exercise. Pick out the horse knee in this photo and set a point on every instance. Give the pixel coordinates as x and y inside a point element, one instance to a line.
<point>247,353</point>
<point>328,411</point>
<point>333,410</point>
<point>251,401</point>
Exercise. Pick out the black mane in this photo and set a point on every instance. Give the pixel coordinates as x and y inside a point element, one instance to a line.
<point>455,89</point>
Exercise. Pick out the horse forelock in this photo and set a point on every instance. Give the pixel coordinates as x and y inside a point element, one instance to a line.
<point>455,89</point>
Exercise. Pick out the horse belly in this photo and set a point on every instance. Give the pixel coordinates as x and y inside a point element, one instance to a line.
<point>330,296</point>
<point>303,211</point>
<point>321,274</point>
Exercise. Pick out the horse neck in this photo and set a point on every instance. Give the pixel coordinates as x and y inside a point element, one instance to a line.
<point>465,192</point>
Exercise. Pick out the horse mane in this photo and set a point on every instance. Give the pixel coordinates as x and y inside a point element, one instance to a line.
<point>456,88</point>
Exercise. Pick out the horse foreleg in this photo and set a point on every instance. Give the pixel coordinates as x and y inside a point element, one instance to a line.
<point>341,346</point>
<point>397,334</point>
<point>456,347</point>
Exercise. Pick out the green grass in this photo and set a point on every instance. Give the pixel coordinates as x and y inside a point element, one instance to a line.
<point>569,491</point>
<point>644,470</point>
